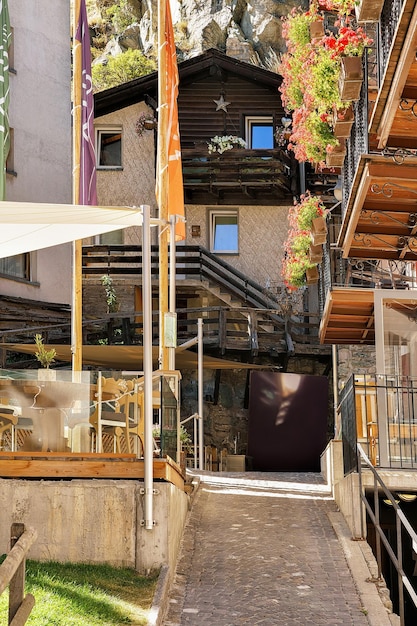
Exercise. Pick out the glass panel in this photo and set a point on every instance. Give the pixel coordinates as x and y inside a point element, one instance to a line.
<point>115,237</point>
<point>169,407</point>
<point>225,235</point>
<point>110,146</point>
<point>262,136</point>
<point>44,411</point>
<point>400,337</point>
<point>15,266</point>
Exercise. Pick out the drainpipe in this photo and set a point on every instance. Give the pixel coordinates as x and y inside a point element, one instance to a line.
<point>200,394</point>
<point>335,391</point>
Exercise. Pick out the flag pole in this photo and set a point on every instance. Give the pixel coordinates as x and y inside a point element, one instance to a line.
<point>76,309</point>
<point>162,182</point>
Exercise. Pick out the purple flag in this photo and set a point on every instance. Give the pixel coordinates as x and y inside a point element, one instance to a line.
<point>88,190</point>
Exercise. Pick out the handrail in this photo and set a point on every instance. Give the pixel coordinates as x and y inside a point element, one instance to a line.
<point>12,574</point>
<point>113,260</point>
<point>401,522</point>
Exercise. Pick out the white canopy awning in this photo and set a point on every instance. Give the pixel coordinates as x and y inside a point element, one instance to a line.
<point>28,226</point>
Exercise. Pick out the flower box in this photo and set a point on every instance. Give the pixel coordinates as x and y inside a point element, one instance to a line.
<point>336,157</point>
<point>315,253</point>
<point>312,275</point>
<point>343,122</point>
<point>319,231</point>
<point>368,10</point>
<point>316,30</point>
<point>351,78</point>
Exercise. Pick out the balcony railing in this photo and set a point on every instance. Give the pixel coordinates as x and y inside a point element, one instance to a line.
<point>380,413</point>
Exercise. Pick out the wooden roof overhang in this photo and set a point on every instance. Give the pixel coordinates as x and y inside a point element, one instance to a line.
<point>210,62</point>
<point>380,220</point>
<point>393,122</point>
<point>348,317</point>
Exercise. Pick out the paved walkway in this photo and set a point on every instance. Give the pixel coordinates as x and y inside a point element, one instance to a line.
<point>259,549</point>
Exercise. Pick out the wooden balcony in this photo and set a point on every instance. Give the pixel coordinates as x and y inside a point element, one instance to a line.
<point>237,176</point>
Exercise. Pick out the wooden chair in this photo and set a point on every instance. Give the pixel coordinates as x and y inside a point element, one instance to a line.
<point>9,415</point>
<point>107,417</point>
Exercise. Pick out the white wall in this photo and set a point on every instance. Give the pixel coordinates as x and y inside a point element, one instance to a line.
<point>40,115</point>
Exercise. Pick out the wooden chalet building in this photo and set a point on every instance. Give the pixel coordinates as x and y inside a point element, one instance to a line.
<point>246,191</point>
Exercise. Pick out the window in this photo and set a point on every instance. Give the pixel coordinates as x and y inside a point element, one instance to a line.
<point>109,148</point>
<point>115,237</point>
<point>259,132</point>
<point>224,232</point>
<point>16,266</point>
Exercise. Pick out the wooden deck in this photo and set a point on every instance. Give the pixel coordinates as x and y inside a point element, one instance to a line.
<point>59,465</point>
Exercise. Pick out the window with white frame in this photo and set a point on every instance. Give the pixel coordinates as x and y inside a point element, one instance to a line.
<point>259,131</point>
<point>109,148</point>
<point>224,231</point>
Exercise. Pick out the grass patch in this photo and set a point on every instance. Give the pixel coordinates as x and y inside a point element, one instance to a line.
<point>69,594</point>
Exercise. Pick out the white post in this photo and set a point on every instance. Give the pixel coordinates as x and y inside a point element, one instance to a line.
<point>147,365</point>
<point>172,285</point>
<point>200,394</point>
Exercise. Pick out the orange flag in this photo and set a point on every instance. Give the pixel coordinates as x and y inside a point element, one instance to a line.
<point>175,190</point>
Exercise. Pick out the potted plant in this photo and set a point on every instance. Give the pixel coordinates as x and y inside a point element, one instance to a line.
<point>224,143</point>
<point>145,121</point>
<point>318,80</point>
<point>45,358</point>
<point>336,156</point>
<point>343,121</point>
<point>349,45</point>
<point>307,211</point>
<point>305,218</point>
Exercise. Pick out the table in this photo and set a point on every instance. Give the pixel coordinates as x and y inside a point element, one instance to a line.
<point>48,409</point>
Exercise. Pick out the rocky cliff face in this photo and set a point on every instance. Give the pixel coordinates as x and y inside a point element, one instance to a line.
<point>247,30</point>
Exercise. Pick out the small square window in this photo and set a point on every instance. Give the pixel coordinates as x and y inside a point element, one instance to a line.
<point>260,132</point>
<point>109,148</point>
<point>224,232</point>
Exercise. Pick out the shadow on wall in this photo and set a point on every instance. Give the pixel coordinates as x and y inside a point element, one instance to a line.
<point>287,421</point>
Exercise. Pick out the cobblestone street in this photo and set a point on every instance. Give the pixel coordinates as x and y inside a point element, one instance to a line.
<point>260,549</point>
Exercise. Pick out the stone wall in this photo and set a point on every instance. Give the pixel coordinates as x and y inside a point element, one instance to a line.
<point>226,422</point>
<point>95,521</point>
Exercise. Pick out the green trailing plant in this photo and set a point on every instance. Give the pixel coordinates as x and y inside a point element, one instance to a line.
<point>111,296</point>
<point>310,71</point>
<point>44,356</point>
<point>296,259</point>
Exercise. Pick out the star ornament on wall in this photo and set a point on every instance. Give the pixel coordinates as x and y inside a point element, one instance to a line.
<point>221,104</point>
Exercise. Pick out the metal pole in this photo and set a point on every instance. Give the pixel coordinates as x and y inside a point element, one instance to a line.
<point>200,393</point>
<point>147,365</point>
<point>172,285</point>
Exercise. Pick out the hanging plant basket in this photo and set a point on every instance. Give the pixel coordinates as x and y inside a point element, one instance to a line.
<point>315,253</point>
<point>351,78</point>
<point>312,275</point>
<point>319,231</point>
<point>343,122</point>
<point>316,30</point>
<point>336,157</point>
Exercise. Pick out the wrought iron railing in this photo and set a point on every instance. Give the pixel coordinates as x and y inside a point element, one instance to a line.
<point>405,537</point>
<point>380,412</point>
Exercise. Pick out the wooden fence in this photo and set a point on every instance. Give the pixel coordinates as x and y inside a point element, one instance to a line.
<point>12,575</point>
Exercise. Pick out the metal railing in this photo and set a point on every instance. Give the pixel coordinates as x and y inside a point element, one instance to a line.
<point>403,530</point>
<point>380,412</point>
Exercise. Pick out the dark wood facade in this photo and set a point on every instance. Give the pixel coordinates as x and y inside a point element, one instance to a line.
<point>236,177</point>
